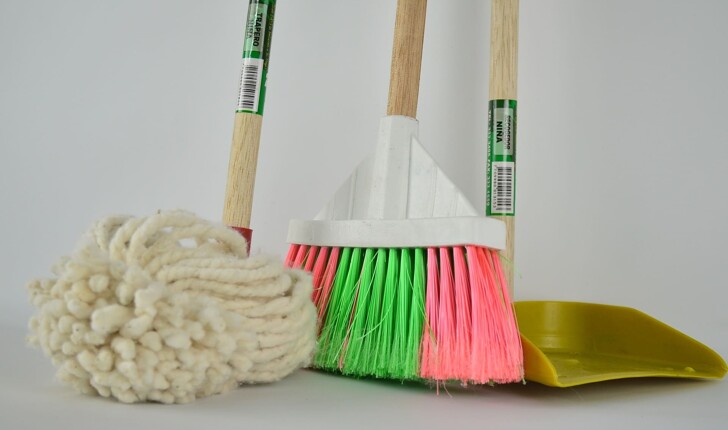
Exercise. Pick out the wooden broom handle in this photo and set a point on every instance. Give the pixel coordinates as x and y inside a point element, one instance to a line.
<point>241,170</point>
<point>404,79</point>
<point>503,85</point>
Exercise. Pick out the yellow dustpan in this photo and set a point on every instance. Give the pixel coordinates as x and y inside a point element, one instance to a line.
<point>571,343</point>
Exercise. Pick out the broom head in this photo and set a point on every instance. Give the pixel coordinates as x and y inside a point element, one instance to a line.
<point>406,273</point>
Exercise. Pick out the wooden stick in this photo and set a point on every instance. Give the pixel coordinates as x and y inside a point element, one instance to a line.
<point>241,170</point>
<point>503,49</point>
<point>503,85</point>
<point>404,79</point>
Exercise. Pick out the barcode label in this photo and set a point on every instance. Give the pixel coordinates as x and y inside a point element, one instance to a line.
<point>501,165</point>
<point>250,83</point>
<point>502,194</point>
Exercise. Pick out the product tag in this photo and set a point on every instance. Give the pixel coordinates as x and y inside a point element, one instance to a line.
<point>501,168</point>
<point>256,51</point>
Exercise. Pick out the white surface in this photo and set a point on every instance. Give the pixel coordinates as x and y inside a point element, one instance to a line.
<point>110,106</point>
<point>311,400</point>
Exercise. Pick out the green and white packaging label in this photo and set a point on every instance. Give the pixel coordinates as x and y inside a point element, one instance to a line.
<point>256,52</point>
<point>501,190</point>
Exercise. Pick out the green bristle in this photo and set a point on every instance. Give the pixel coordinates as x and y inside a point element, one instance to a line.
<point>366,362</point>
<point>328,350</point>
<point>374,320</point>
<point>401,320</point>
<point>342,313</point>
<point>353,354</point>
<point>417,313</point>
<point>386,329</point>
<point>409,315</point>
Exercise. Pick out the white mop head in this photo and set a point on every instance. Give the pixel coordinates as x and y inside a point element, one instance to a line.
<point>170,308</point>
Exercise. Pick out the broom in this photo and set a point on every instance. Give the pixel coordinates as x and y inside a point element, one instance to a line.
<point>406,275</point>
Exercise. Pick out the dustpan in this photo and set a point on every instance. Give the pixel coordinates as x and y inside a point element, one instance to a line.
<point>572,343</point>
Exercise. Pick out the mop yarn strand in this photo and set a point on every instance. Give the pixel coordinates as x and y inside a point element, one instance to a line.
<point>170,308</point>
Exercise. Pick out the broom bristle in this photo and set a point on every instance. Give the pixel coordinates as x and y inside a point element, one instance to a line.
<point>440,314</point>
<point>445,318</point>
<point>463,321</point>
<point>429,366</point>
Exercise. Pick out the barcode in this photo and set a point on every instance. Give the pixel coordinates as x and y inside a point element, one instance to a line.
<point>250,80</point>
<point>502,195</point>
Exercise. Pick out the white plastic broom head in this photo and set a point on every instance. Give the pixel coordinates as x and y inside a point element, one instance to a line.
<point>398,197</point>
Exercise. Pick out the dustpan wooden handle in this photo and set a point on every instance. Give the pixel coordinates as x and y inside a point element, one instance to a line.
<point>503,49</point>
<point>404,79</point>
<point>503,86</point>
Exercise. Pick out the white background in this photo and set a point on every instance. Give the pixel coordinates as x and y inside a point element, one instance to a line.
<point>126,107</point>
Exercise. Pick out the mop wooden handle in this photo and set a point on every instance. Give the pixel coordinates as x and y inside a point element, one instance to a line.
<point>241,170</point>
<point>503,86</point>
<point>404,79</point>
<point>249,117</point>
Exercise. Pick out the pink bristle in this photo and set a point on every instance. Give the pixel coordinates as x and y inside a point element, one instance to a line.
<point>499,336</point>
<point>463,323</point>
<point>429,363</point>
<point>481,274</point>
<point>291,256</point>
<point>297,257</point>
<point>322,262</point>
<point>300,257</point>
<point>513,351</point>
<point>318,273</point>
<point>310,259</point>
<point>328,281</point>
<point>445,319</point>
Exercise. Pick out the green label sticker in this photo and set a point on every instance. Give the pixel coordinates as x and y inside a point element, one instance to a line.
<point>256,52</point>
<point>255,29</point>
<point>501,159</point>
<point>504,126</point>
